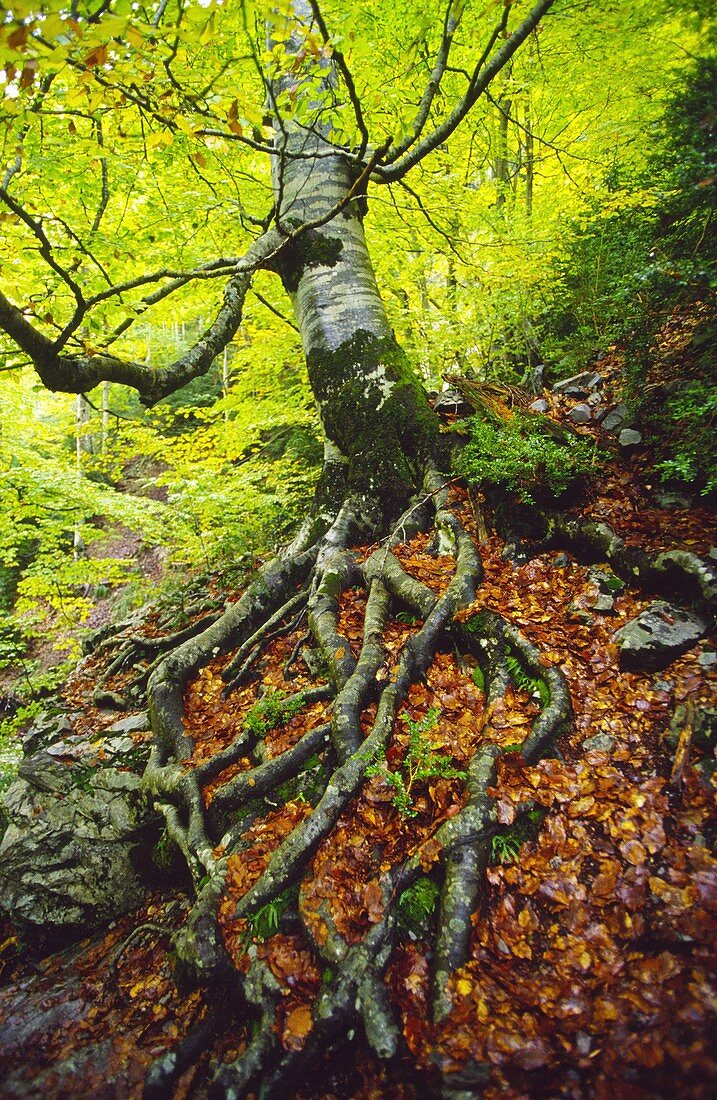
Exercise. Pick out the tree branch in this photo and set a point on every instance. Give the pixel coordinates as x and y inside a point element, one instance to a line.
<point>80,373</point>
<point>483,74</point>
<point>343,68</point>
<point>450,25</point>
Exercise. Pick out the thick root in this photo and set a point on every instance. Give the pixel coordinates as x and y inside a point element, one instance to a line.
<point>366,690</point>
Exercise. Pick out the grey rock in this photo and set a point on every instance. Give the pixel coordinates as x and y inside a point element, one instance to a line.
<point>615,419</point>
<point>708,659</point>
<point>663,685</point>
<point>515,551</point>
<point>133,723</point>
<point>540,405</point>
<point>75,838</point>
<point>579,385</point>
<point>581,414</point>
<point>579,614</point>
<point>560,561</point>
<point>628,438</point>
<point>595,398</point>
<point>601,742</point>
<point>451,401</point>
<point>657,635</point>
<point>605,580</point>
<point>48,726</point>
<point>602,603</point>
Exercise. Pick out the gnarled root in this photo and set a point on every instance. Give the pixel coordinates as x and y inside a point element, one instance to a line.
<point>367,690</point>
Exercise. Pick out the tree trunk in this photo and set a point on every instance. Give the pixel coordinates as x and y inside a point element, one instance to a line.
<point>379,428</point>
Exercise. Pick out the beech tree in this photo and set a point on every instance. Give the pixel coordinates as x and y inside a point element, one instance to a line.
<point>290,124</point>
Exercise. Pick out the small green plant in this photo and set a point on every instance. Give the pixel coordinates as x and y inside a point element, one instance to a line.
<point>420,762</point>
<point>506,845</point>
<point>522,457</point>
<point>690,435</point>
<point>478,677</point>
<point>417,907</point>
<point>265,922</point>
<point>534,685</point>
<point>272,710</point>
<point>407,618</point>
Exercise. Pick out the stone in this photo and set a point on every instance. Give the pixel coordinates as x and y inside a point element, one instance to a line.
<point>605,580</point>
<point>579,385</point>
<point>601,742</point>
<point>133,723</point>
<point>560,561</point>
<point>629,438</point>
<point>657,635</point>
<point>76,839</point>
<point>451,401</point>
<point>540,405</point>
<point>615,419</point>
<point>49,726</point>
<point>602,603</point>
<point>708,659</point>
<point>671,498</point>
<point>595,398</point>
<point>514,551</point>
<point>581,414</point>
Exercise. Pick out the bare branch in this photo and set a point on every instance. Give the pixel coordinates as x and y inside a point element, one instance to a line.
<point>343,68</point>
<point>484,72</point>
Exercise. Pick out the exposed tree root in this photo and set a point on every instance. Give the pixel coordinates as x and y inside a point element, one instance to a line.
<point>213,805</point>
<point>211,831</point>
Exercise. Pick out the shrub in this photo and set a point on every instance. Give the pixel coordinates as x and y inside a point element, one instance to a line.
<point>521,457</point>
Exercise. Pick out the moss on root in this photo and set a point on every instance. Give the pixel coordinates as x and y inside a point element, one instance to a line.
<point>375,411</point>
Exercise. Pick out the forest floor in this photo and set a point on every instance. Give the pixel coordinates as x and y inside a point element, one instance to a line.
<point>592,962</point>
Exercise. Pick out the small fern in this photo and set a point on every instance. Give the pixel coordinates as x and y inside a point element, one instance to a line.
<point>534,685</point>
<point>421,762</point>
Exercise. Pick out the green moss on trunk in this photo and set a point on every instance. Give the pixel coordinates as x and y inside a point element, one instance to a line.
<point>376,412</point>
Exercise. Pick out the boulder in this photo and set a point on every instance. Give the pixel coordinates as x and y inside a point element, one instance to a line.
<point>657,635</point>
<point>47,727</point>
<point>616,419</point>
<point>133,723</point>
<point>581,414</point>
<point>540,405</point>
<point>629,438</point>
<point>606,582</point>
<point>579,385</point>
<point>451,401</point>
<point>75,838</point>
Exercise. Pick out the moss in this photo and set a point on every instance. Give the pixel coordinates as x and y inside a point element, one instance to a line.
<point>385,437</point>
<point>310,249</point>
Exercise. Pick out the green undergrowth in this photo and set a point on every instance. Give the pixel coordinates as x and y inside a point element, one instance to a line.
<point>421,762</point>
<point>505,845</point>
<point>522,457</point>
<point>265,922</point>
<point>417,907</point>
<point>272,710</point>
